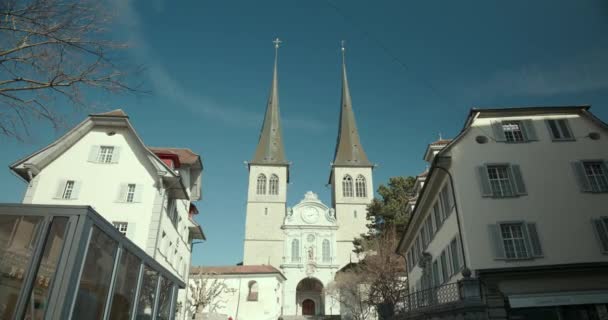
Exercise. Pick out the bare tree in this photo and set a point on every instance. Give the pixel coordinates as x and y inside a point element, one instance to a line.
<point>207,290</point>
<point>51,51</point>
<point>351,289</point>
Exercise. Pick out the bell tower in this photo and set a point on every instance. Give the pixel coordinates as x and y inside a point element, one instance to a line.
<point>350,178</point>
<point>267,191</point>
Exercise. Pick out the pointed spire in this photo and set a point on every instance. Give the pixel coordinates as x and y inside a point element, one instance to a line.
<point>270,148</point>
<point>349,151</point>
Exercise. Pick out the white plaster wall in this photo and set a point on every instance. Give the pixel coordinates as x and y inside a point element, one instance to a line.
<point>100,183</point>
<point>233,302</point>
<point>562,213</point>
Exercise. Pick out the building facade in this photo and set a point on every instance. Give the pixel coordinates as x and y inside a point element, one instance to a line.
<point>146,193</point>
<point>309,242</point>
<point>517,200</point>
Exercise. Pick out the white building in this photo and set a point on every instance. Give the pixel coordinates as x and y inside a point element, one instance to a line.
<point>311,241</point>
<point>517,200</point>
<point>146,193</point>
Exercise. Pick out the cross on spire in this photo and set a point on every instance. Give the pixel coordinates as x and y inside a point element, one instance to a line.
<point>277,42</point>
<point>343,48</point>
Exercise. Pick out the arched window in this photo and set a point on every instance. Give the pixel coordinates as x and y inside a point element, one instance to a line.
<point>347,186</point>
<point>273,184</point>
<point>360,188</point>
<point>326,255</point>
<point>261,188</point>
<point>295,250</point>
<point>253,291</point>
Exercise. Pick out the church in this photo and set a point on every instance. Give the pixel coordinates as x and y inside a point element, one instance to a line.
<point>291,254</point>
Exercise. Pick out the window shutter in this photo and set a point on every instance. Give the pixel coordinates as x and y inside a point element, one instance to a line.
<point>93,153</point>
<point>602,233</point>
<point>60,189</point>
<point>122,192</point>
<point>499,134</point>
<point>530,130</point>
<point>551,130</point>
<point>496,240</point>
<point>131,231</point>
<point>137,196</point>
<point>448,260</point>
<point>116,154</point>
<point>581,177</point>
<point>518,182</point>
<point>534,240</point>
<point>76,190</point>
<point>565,127</point>
<point>460,252</point>
<point>484,181</point>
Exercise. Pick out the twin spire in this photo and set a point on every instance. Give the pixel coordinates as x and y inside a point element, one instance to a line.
<point>270,149</point>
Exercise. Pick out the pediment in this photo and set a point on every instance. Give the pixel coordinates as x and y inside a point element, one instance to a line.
<point>310,212</point>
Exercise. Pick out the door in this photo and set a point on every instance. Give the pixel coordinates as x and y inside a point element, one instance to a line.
<point>308,307</point>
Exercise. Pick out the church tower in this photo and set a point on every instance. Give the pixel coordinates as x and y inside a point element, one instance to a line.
<point>267,192</point>
<point>350,178</point>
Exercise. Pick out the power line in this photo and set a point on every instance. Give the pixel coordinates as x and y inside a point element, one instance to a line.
<point>379,43</point>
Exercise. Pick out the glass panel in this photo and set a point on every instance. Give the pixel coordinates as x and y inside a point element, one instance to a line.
<point>18,235</point>
<point>96,276</point>
<point>47,268</point>
<point>164,299</point>
<point>145,306</point>
<point>125,286</point>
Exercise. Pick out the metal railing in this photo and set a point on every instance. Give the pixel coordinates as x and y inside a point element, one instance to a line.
<point>434,296</point>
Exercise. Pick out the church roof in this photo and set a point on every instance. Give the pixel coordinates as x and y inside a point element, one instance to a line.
<point>349,151</point>
<point>270,149</point>
<point>234,270</point>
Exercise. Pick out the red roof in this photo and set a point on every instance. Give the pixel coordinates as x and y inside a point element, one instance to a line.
<point>256,269</point>
<point>441,142</point>
<point>113,113</point>
<point>186,156</point>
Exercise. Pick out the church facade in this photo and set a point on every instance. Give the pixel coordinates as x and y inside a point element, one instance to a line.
<point>310,241</point>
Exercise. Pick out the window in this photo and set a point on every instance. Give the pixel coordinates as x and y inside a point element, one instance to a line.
<point>121,227</point>
<point>130,192</point>
<point>514,241</point>
<point>513,131</point>
<point>295,250</point>
<point>360,187</point>
<point>105,154</point>
<point>446,200</point>
<point>68,190</point>
<point>596,175</point>
<point>425,238</point>
<point>253,291</point>
<point>273,185</point>
<point>326,255</point>
<point>502,180</point>
<point>261,186</point>
<point>172,211</point>
<point>559,129</point>
<point>455,253</point>
<point>438,214</point>
<point>429,227</point>
<point>436,280</point>
<point>601,230</point>
<point>444,267</point>
<point>347,186</point>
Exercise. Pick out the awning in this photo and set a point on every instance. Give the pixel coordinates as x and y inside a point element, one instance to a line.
<point>558,298</point>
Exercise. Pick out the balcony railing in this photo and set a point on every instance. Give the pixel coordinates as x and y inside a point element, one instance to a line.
<point>466,289</point>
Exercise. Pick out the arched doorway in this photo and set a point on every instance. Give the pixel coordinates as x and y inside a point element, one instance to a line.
<point>309,297</point>
<point>308,307</point>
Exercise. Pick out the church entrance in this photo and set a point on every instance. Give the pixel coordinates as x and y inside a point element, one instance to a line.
<point>309,296</point>
<point>308,307</point>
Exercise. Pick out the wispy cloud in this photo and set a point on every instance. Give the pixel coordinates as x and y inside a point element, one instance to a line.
<point>166,85</point>
<point>585,72</point>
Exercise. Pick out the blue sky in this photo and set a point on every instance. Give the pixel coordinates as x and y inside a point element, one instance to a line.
<point>415,69</point>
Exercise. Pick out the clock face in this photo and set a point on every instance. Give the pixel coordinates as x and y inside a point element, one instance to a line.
<point>310,214</point>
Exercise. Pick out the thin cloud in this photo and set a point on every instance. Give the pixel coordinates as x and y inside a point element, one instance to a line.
<point>586,72</point>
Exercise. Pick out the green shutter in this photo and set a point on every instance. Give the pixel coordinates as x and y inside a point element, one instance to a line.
<point>484,181</point>
<point>581,177</point>
<point>602,233</point>
<point>499,134</point>
<point>520,187</point>
<point>496,241</point>
<point>534,240</point>
<point>529,130</point>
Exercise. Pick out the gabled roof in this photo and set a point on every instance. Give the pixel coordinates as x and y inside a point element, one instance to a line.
<point>116,118</point>
<point>185,155</point>
<point>270,149</point>
<point>349,151</point>
<point>236,270</point>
